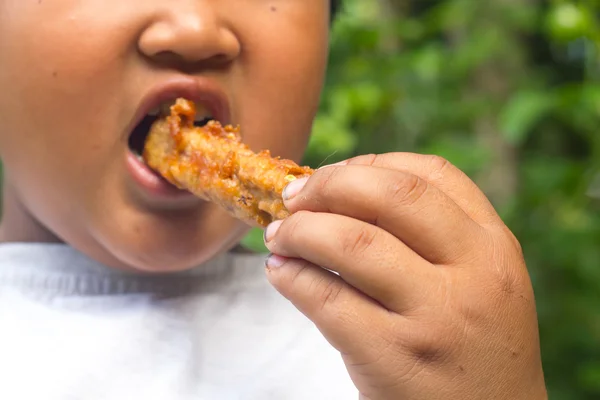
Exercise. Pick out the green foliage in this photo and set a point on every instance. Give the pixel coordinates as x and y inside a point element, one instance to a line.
<point>525,109</point>
<point>509,91</point>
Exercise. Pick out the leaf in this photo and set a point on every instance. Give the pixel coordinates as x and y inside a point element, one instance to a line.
<point>522,112</point>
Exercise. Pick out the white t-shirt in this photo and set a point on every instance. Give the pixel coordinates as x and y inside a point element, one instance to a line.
<point>73,329</point>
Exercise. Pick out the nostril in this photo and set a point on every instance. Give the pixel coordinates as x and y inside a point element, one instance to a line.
<point>189,37</point>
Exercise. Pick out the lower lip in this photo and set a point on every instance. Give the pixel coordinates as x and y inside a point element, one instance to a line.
<point>151,182</point>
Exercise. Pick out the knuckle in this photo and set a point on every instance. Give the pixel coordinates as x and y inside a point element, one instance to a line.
<point>294,229</point>
<point>474,311</point>
<point>374,159</point>
<point>291,281</point>
<point>433,344</point>
<point>506,278</point>
<point>366,159</point>
<point>328,177</point>
<point>514,242</point>
<point>294,224</point>
<point>296,276</point>
<point>327,292</point>
<point>407,190</point>
<point>356,242</point>
<point>506,283</point>
<point>438,165</point>
<point>428,353</point>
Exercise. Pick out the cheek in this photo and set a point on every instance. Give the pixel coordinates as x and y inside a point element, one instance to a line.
<point>282,77</point>
<point>60,64</point>
<point>57,50</point>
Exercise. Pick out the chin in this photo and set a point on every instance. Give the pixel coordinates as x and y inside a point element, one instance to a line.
<point>151,258</point>
<point>171,246</point>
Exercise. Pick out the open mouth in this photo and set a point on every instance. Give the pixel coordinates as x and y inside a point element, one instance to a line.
<point>137,138</point>
<point>150,180</point>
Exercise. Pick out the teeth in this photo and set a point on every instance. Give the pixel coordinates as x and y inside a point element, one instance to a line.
<point>165,109</point>
<point>139,157</point>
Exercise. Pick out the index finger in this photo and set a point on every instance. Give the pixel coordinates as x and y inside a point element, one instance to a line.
<point>440,173</point>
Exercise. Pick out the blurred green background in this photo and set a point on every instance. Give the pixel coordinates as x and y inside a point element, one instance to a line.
<point>509,91</point>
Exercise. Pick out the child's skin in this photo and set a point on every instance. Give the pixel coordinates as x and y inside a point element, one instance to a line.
<point>433,298</point>
<point>74,73</point>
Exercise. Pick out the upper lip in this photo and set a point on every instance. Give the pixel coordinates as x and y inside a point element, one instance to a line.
<point>201,91</point>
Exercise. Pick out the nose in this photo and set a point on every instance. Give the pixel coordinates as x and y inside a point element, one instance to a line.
<point>190,33</point>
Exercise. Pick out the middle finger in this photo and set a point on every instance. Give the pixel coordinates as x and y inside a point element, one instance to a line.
<point>407,206</point>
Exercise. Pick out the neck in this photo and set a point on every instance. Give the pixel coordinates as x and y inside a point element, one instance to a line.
<point>18,225</point>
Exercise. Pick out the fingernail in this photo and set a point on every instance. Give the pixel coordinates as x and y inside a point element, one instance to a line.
<point>335,164</point>
<point>275,261</point>
<point>271,230</point>
<point>293,188</point>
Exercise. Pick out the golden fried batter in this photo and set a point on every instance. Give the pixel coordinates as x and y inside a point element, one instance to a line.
<point>214,164</point>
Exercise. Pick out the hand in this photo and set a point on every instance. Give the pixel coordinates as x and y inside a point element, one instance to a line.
<point>405,267</point>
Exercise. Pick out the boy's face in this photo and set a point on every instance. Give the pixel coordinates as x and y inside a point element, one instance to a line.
<point>76,76</point>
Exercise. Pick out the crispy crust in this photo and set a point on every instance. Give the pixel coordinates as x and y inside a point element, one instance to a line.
<point>214,164</point>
